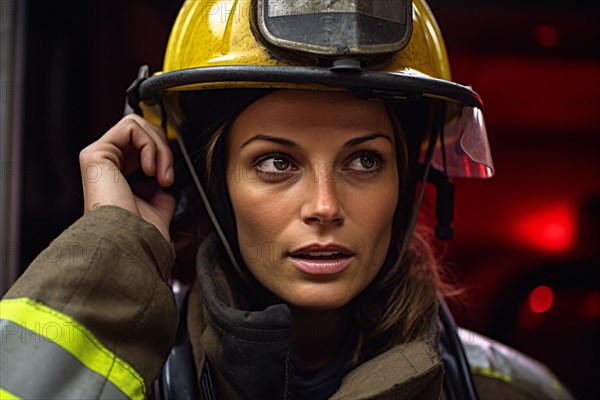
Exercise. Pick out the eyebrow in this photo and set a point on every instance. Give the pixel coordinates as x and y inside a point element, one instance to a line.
<point>273,139</point>
<point>290,143</point>
<point>362,139</point>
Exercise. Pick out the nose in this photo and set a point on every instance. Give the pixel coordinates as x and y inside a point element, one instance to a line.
<point>323,206</point>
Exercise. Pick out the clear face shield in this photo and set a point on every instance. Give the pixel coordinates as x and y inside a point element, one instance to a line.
<point>463,150</point>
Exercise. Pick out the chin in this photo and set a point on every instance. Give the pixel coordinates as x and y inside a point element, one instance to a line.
<point>318,299</point>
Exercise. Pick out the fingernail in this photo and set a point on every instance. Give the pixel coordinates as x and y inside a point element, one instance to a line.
<point>170,175</point>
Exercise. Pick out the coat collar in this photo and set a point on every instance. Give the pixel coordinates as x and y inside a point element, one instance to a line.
<point>251,354</point>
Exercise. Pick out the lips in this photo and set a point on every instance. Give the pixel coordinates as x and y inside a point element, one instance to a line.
<point>321,259</point>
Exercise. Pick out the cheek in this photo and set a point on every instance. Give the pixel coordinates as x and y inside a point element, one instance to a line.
<point>260,215</point>
<point>380,207</point>
<point>373,216</point>
<point>376,206</point>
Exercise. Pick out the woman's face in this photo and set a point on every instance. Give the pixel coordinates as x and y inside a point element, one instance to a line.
<point>313,182</point>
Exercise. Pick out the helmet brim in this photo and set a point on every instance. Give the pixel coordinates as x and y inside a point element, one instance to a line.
<point>466,154</point>
<point>384,84</point>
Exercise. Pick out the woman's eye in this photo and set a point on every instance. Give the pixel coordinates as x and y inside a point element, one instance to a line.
<point>274,165</point>
<point>365,163</point>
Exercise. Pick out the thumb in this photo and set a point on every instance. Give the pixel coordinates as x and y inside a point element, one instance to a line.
<point>158,210</point>
<point>164,204</point>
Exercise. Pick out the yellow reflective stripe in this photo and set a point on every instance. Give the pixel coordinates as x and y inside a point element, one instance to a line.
<point>4,395</point>
<point>492,373</point>
<point>85,347</point>
<point>557,389</point>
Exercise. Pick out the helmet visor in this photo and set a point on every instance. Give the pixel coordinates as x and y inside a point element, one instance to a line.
<point>463,150</point>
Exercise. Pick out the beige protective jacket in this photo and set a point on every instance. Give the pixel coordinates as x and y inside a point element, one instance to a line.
<point>94,317</point>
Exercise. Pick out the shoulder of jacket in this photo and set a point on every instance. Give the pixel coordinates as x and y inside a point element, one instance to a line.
<point>497,368</point>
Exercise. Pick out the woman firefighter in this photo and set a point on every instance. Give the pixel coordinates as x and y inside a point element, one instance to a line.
<point>308,131</point>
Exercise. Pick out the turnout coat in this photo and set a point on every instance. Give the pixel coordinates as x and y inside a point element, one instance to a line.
<point>95,316</point>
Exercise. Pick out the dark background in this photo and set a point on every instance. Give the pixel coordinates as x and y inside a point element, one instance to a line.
<point>536,223</point>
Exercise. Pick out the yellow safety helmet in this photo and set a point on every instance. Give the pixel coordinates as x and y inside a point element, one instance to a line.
<point>391,49</point>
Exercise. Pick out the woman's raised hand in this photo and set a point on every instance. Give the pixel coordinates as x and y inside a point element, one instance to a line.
<point>132,143</point>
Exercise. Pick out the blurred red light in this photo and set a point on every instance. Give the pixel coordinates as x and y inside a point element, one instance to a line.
<point>591,304</point>
<point>541,299</point>
<point>547,36</point>
<point>551,230</point>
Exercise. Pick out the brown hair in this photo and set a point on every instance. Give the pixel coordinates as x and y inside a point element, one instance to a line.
<point>211,150</point>
<point>400,305</point>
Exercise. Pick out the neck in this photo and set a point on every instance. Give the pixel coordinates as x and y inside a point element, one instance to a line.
<point>318,336</point>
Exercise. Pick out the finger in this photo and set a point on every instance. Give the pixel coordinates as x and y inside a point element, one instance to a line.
<point>130,136</point>
<point>148,149</point>
<point>164,155</point>
<point>120,133</point>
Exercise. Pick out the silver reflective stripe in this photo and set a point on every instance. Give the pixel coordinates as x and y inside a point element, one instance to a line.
<point>496,360</point>
<point>33,367</point>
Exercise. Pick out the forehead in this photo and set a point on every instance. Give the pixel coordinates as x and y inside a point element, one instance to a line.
<point>313,109</point>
